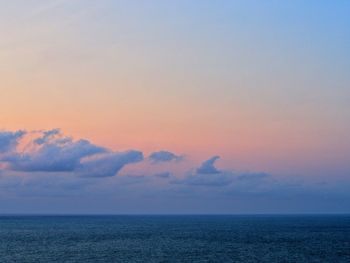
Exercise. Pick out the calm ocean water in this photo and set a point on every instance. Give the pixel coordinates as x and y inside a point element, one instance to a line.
<point>174,239</point>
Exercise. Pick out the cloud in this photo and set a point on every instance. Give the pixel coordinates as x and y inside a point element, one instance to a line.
<point>208,175</point>
<point>164,156</point>
<point>9,140</point>
<point>54,155</point>
<point>47,135</point>
<point>163,175</point>
<point>216,179</point>
<point>51,151</point>
<point>47,166</point>
<point>207,167</point>
<point>108,164</point>
<point>252,176</point>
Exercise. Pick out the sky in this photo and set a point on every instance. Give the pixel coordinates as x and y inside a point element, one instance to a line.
<point>137,107</point>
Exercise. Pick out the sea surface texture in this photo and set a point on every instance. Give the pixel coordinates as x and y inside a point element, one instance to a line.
<point>174,239</point>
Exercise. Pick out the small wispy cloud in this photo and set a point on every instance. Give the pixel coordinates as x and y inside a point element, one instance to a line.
<point>164,156</point>
<point>208,166</point>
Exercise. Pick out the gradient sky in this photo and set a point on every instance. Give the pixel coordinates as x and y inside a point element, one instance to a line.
<point>263,84</point>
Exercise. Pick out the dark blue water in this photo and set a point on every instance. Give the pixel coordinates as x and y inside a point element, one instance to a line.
<point>175,239</point>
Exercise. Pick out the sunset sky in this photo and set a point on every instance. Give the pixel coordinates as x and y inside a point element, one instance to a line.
<point>122,106</point>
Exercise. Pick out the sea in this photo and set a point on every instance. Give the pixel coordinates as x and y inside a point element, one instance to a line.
<point>175,238</point>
